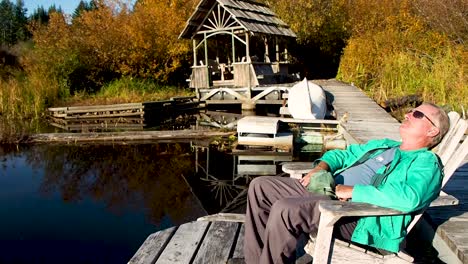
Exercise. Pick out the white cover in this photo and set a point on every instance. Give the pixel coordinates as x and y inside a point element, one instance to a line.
<point>306,100</point>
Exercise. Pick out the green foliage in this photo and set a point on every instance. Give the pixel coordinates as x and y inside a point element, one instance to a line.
<point>84,6</point>
<point>12,22</point>
<point>135,90</point>
<point>40,15</point>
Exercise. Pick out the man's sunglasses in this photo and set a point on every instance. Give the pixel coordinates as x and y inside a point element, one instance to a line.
<point>420,115</point>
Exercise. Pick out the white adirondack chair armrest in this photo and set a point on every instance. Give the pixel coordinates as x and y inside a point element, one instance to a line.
<point>444,199</point>
<point>296,169</point>
<point>338,209</point>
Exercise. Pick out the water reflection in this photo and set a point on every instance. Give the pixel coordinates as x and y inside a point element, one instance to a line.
<point>96,204</point>
<point>120,176</point>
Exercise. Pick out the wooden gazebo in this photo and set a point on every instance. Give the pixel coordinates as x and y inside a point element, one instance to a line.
<point>236,46</point>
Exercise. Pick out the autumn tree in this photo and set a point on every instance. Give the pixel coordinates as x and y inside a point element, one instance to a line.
<point>114,40</point>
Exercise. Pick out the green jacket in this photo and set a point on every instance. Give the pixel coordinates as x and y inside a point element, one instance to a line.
<point>412,182</point>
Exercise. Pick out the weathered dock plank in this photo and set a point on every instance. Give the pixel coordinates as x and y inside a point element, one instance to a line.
<point>153,246</point>
<point>183,245</point>
<point>217,246</point>
<point>239,249</point>
<point>134,136</point>
<point>201,242</point>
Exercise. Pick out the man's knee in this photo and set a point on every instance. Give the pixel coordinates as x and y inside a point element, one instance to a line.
<point>258,184</point>
<point>282,208</point>
<point>254,185</point>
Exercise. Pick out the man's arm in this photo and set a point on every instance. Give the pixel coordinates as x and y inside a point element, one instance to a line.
<point>344,192</point>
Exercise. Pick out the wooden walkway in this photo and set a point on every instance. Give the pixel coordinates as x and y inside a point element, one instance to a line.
<point>216,242</point>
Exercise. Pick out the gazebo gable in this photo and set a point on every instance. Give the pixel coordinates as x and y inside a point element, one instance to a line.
<point>213,16</point>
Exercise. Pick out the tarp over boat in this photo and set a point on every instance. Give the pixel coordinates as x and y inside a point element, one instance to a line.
<point>307,100</point>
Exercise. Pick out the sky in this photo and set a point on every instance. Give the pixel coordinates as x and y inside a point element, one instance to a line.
<point>68,6</point>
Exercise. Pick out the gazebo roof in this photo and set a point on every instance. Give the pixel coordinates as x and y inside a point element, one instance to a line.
<point>251,16</point>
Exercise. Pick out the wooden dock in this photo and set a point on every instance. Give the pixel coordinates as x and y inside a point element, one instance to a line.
<point>125,137</point>
<point>198,242</point>
<point>220,241</point>
<point>130,116</point>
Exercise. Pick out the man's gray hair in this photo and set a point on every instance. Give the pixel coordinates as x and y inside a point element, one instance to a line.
<point>442,122</point>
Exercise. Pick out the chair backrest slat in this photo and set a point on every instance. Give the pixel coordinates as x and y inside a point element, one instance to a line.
<point>455,160</point>
<point>450,148</point>
<point>454,117</point>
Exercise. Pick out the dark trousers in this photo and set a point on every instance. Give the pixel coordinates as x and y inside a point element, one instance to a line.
<point>279,211</point>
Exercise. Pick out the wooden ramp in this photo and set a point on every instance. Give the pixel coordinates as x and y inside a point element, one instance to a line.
<point>366,120</point>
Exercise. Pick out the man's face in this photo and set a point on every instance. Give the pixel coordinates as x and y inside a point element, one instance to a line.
<point>420,122</point>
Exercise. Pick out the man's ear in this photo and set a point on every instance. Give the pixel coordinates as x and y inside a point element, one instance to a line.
<point>434,131</point>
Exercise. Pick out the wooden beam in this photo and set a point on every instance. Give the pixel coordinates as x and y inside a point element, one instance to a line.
<point>134,136</point>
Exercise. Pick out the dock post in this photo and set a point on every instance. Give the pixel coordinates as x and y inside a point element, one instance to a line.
<point>247,106</point>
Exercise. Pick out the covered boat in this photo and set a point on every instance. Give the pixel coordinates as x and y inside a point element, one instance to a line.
<point>307,100</point>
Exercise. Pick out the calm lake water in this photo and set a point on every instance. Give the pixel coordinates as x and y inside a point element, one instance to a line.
<point>98,203</point>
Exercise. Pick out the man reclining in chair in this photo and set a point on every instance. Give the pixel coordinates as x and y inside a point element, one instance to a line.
<point>405,176</point>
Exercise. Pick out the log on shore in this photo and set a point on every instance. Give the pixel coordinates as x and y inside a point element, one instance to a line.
<point>134,136</point>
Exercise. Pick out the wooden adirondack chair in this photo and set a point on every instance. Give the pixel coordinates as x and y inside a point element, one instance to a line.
<point>451,152</point>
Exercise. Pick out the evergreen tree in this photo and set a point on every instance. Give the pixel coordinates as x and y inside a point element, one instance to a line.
<point>40,15</point>
<point>84,6</point>
<point>7,23</point>
<point>21,21</point>
<point>54,9</point>
<point>13,22</point>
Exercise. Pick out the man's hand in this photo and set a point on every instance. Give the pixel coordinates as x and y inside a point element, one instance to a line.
<point>344,192</point>
<point>306,179</point>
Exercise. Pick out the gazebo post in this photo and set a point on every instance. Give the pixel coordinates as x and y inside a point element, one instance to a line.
<point>277,49</point>
<point>267,53</point>
<point>206,60</point>
<point>194,42</point>
<point>233,46</point>
<point>247,46</point>
<point>286,53</point>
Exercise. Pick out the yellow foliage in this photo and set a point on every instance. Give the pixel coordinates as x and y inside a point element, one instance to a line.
<point>112,40</point>
<point>401,55</point>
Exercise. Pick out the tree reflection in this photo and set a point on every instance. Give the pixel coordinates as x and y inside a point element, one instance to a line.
<point>122,176</point>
